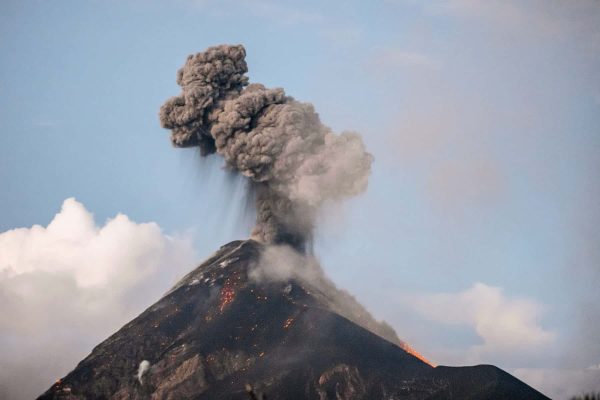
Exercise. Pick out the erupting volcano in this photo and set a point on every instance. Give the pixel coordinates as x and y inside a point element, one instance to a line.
<point>260,318</point>
<point>227,327</point>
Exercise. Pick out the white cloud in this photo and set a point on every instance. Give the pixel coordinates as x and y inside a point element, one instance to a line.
<point>560,383</point>
<point>281,263</point>
<point>505,325</point>
<point>67,286</point>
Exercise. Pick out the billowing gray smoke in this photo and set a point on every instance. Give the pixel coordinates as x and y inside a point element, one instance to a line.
<point>294,162</point>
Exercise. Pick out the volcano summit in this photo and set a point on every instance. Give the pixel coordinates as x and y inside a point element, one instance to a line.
<point>226,328</point>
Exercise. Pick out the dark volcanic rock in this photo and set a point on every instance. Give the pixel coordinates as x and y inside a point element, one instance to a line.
<point>218,331</point>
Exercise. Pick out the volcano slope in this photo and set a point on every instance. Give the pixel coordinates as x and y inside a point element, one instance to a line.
<point>219,332</point>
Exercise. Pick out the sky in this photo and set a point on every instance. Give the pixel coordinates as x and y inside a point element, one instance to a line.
<point>478,238</point>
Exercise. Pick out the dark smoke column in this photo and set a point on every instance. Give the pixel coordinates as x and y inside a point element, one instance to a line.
<point>294,162</point>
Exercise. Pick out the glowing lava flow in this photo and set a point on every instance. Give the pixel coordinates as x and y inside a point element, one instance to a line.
<point>227,295</point>
<point>288,322</point>
<point>415,353</point>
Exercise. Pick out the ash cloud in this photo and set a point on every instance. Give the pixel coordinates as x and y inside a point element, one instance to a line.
<point>282,263</point>
<point>295,163</point>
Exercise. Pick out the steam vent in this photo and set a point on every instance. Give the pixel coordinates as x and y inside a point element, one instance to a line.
<point>221,333</point>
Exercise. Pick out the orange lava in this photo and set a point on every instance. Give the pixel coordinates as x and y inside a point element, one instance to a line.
<point>415,353</point>
<point>288,322</point>
<point>227,295</point>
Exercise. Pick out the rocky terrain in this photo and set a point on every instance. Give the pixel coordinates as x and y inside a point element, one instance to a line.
<point>222,333</point>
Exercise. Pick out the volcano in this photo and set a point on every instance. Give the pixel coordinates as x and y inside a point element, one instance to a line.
<point>223,333</point>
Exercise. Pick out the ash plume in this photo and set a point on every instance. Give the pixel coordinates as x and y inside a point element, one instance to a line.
<point>295,163</point>
<point>142,369</point>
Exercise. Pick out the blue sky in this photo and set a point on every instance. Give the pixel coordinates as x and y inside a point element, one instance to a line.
<point>483,118</point>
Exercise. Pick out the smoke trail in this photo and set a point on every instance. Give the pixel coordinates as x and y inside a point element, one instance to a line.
<point>142,369</point>
<point>294,162</point>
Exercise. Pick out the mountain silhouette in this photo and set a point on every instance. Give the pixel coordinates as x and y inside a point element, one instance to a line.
<point>225,332</point>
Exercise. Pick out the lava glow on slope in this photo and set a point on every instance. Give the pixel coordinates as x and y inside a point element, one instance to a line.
<point>415,353</point>
<point>227,295</point>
